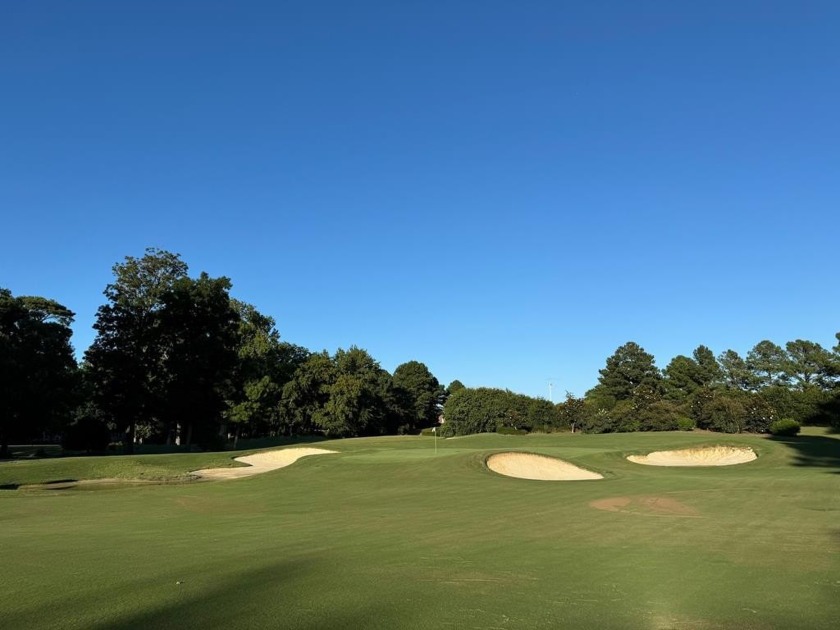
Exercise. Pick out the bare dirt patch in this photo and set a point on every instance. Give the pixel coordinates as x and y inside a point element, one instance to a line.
<point>539,467</point>
<point>708,456</point>
<point>613,504</point>
<point>645,506</point>
<point>260,463</point>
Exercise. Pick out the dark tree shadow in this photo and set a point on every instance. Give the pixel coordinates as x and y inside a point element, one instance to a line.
<point>246,444</point>
<point>813,450</point>
<point>237,602</point>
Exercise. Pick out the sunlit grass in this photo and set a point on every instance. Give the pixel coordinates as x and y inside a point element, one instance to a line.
<point>387,534</point>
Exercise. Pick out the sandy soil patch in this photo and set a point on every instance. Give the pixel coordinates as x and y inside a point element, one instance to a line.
<point>261,463</point>
<point>647,505</point>
<point>709,456</point>
<point>530,466</point>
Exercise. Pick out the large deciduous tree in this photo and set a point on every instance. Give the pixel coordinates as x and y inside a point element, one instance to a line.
<point>306,393</point>
<point>421,393</point>
<point>483,409</point>
<point>264,365</point>
<point>342,395</point>
<point>37,367</point>
<point>355,406</point>
<point>126,358</point>
<point>198,331</point>
<point>571,413</point>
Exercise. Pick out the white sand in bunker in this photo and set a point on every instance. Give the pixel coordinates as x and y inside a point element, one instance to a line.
<point>540,467</point>
<point>708,456</point>
<point>260,463</point>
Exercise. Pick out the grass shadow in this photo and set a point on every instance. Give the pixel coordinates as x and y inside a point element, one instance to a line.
<point>237,602</point>
<point>30,452</point>
<point>248,444</point>
<point>813,450</point>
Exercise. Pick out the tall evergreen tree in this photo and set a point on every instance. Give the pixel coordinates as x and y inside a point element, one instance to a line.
<point>454,386</point>
<point>683,376</point>
<point>769,364</point>
<point>628,368</point>
<point>710,370</point>
<point>736,372</point>
<point>809,364</point>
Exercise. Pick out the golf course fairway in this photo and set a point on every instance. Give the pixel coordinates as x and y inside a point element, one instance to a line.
<point>384,533</point>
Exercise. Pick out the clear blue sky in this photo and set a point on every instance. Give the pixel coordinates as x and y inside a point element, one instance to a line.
<point>506,191</point>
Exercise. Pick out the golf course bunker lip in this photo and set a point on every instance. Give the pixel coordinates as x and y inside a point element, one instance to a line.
<point>702,456</point>
<point>538,467</point>
<point>261,463</point>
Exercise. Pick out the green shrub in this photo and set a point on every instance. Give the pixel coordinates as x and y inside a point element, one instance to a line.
<point>785,426</point>
<point>660,415</point>
<point>722,413</point>
<point>685,424</point>
<point>759,414</point>
<point>598,421</point>
<point>447,429</point>
<point>510,431</point>
<point>628,425</point>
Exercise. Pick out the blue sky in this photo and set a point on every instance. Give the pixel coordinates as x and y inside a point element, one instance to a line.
<point>506,191</point>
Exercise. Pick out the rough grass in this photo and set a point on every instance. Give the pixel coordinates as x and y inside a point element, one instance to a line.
<point>170,467</point>
<point>388,535</point>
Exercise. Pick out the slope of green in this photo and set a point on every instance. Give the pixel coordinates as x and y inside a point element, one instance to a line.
<point>172,467</point>
<point>386,534</point>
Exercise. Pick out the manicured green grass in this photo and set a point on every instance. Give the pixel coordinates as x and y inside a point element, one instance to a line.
<point>386,534</point>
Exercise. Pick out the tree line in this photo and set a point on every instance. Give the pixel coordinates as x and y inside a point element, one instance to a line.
<point>772,385</point>
<point>177,360</point>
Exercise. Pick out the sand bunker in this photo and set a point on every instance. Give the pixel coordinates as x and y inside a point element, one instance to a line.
<point>709,456</point>
<point>260,463</point>
<point>530,466</point>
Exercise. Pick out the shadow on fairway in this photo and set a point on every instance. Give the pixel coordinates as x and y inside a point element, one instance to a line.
<point>240,601</point>
<point>247,599</point>
<point>813,450</point>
